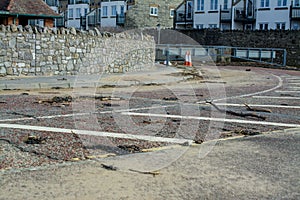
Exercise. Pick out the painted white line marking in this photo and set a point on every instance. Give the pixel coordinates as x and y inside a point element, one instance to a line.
<point>280,83</point>
<point>275,97</point>
<point>255,105</point>
<point>215,119</point>
<point>98,133</point>
<point>82,114</point>
<point>282,91</point>
<point>293,88</point>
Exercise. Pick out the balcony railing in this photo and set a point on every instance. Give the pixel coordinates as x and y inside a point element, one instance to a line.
<point>225,15</point>
<point>120,20</point>
<point>240,15</point>
<point>79,1</point>
<point>181,16</point>
<point>295,13</point>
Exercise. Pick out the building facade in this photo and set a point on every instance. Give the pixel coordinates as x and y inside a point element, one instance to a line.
<point>20,12</point>
<point>242,14</point>
<point>111,9</point>
<point>150,13</point>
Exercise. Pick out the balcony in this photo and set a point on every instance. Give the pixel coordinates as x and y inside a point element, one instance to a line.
<point>226,15</point>
<point>78,1</point>
<point>120,20</point>
<point>241,15</point>
<point>183,17</point>
<point>295,13</point>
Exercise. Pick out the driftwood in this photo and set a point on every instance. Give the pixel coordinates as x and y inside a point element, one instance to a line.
<point>240,114</point>
<point>154,173</point>
<point>24,115</point>
<point>258,109</point>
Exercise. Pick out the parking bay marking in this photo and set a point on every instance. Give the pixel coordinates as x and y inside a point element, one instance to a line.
<point>276,97</point>
<point>256,105</point>
<point>214,119</point>
<point>98,133</point>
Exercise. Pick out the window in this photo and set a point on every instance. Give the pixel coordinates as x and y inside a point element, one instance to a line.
<point>213,4</point>
<point>212,26</point>
<point>280,26</point>
<point>172,11</point>
<point>281,2</point>
<point>153,11</point>
<point>296,2</point>
<point>122,11</point>
<point>77,14</point>
<point>264,3</point>
<point>114,11</point>
<point>71,15</point>
<point>104,12</point>
<point>199,26</point>
<point>200,5</point>
<point>296,27</point>
<point>263,26</point>
<point>189,9</point>
<point>225,5</point>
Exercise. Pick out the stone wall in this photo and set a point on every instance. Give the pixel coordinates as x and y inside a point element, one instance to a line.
<point>289,40</point>
<point>29,51</point>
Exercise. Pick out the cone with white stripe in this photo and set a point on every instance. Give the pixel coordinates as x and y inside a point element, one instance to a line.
<point>188,59</point>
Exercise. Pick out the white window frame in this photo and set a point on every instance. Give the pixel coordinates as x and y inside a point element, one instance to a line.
<point>153,11</point>
<point>263,26</point>
<point>225,5</point>
<point>71,13</point>
<point>113,10</point>
<point>122,10</point>
<point>212,26</point>
<point>199,26</point>
<point>280,25</point>
<point>281,3</point>
<point>214,5</point>
<point>200,5</point>
<point>104,11</point>
<point>265,3</point>
<point>77,13</point>
<point>172,12</point>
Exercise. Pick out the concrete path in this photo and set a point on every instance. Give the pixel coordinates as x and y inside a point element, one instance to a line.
<point>159,74</point>
<point>257,167</point>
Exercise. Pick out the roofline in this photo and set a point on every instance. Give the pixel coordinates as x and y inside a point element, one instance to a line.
<point>30,15</point>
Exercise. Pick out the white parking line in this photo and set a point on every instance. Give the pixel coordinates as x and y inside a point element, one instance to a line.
<point>214,119</point>
<point>280,83</point>
<point>82,114</point>
<point>283,91</point>
<point>276,97</point>
<point>98,133</point>
<point>256,105</point>
<point>293,88</point>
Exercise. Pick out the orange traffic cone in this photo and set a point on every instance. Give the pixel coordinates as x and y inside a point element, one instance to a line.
<point>188,59</point>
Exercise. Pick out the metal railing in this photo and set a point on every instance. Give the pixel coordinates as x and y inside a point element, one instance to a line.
<point>225,15</point>
<point>240,14</point>
<point>181,16</point>
<point>295,12</point>
<point>217,54</point>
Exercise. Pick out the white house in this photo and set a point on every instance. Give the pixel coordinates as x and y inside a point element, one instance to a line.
<point>111,10</point>
<point>77,10</point>
<point>245,14</point>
